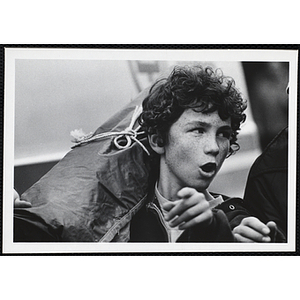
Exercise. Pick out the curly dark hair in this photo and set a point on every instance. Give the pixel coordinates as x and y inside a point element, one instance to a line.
<point>201,89</point>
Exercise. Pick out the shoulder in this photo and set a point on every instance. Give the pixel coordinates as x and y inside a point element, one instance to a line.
<point>234,209</point>
<point>274,157</point>
<point>229,203</point>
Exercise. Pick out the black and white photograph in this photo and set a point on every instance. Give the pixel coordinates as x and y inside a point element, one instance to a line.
<point>149,151</point>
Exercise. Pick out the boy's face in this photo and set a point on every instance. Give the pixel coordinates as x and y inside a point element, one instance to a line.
<point>197,146</point>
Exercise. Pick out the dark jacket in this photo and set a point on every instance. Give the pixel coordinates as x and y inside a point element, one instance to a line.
<point>147,226</point>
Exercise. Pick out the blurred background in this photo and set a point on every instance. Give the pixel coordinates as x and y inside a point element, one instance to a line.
<point>54,97</point>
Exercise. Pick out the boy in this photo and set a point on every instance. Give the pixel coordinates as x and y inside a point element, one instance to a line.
<point>191,119</point>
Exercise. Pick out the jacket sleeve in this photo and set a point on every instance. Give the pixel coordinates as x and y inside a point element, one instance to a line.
<point>235,211</point>
<point>218,231</point>
<point>31,228</point>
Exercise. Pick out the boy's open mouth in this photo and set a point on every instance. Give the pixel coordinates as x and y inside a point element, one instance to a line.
<point>209,167</point>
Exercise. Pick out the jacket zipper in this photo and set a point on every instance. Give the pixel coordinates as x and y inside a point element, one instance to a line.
<point>161,218</point>
<point>115,229</point>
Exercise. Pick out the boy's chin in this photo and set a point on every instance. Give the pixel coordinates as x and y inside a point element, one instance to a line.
<point>202,187</point>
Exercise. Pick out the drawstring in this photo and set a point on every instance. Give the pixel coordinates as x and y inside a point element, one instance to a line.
<point>129,133</point>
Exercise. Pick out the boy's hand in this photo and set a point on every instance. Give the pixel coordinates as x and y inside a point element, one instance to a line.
<point>190,210</point>
<point>18,203</point>
<point>252,230</point>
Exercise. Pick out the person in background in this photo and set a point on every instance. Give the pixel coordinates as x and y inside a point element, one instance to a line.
<point>266,191</point>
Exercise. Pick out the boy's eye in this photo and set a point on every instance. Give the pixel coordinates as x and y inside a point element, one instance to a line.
<point>198,130</point>
<point>225,134</point>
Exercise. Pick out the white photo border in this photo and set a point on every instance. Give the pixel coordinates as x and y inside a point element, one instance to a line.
<point>11,54</point>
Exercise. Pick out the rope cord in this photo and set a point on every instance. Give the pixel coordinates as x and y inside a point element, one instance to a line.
<point>128,133</point>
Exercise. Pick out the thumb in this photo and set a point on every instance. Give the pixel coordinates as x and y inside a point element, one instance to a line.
<point>273,230</point>
<point>16,195</point>
<point>18,203</point>
<point>170,204</point>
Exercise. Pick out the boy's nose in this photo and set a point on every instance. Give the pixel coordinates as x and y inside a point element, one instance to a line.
<point>211,147</point>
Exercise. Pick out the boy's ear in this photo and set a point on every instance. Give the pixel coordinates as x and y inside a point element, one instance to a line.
<point>156,143</point>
